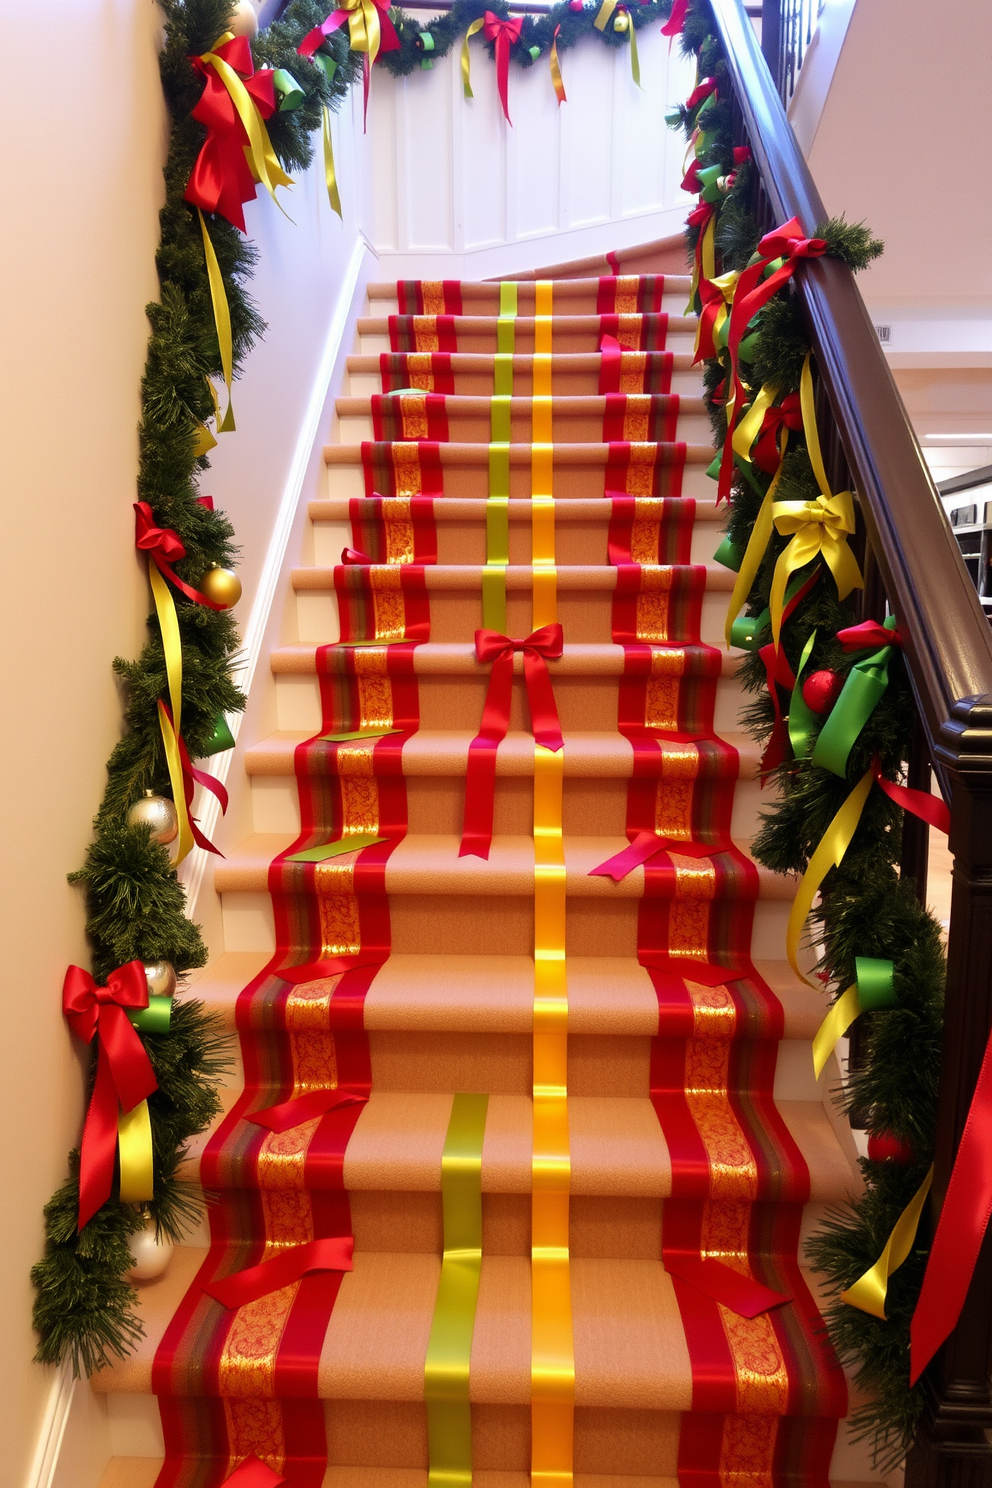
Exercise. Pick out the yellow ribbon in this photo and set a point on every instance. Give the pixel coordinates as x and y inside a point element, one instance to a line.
<point>726,284</point>
<point>605,11</point>
<point>330,175</point>
<point>834,1026</point>
<point>259,152</point>
<point>466,59</point>
<point>635,61</point>
<point>707,254</point>
<point>364,30</point>
<point>449,1348</point>
<point>749,427</point>
<point>222,323</point>
<point>816,527</point>
<point>829,854</point>
<point>134,1143</point>
<point>868,1293</point>
<point>755,550</point>
<point>172,649</point>
<point>497,505</point>
<point>543,569</point>
<point>557,81</point>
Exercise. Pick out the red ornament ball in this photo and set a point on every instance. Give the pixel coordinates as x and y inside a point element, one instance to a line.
<point>821,690</point>
<point>575,5</point>
<point>887,1147</point>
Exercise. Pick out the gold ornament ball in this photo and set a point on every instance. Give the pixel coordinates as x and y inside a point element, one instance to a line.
<point>222,585</point>
<point>150,1255</point>
<point>621,22</point>
<point>156,812</point>
<point>245,20</point>
<point>161,978</point>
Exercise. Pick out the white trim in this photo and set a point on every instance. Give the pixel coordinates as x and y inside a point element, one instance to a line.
<point>54,1422</point>
<point>345,311</point>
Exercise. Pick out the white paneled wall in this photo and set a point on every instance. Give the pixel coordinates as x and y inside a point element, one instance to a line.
<point>457,191</point>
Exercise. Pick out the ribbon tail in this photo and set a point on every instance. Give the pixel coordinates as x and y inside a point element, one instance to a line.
<point>330,175</point>
<point>829,854</point>
<point>635,62</point>
<point>134,1139</point>
<point>503,73</point>
<point>475,27</point>
<point>222,322</point>
<point>557,82</point>
<point>868,1293</point>
<point>834,1026</point>
<point>170,743</point>
<point>99,1143</point>
<point>172,648</point>
<point>757,544</point>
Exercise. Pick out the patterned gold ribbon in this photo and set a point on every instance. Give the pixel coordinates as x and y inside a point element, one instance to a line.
<point>449,1349</point>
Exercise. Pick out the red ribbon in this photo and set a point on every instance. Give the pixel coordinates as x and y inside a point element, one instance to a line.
<point>124,1075</point>
<point>307,1107</point>
<point>742,1294</point>
<point>504,34</point>
<point>191,777</point>
<point>221,179</point>
<point>766,452</point>
<point>711,300</point>
<point>928,808</point>
<point>701,91</point>
<point>869,634</point>
<point>388,40</point>
<point>676,21</point>
<point>292,1265</point>
<point>253,1473</point>
<point>645,846</point>
<point>480,776</point>
<point>753,292</point>
<point>778,673</point>
<point>609,372</point>
<point>165,547</point>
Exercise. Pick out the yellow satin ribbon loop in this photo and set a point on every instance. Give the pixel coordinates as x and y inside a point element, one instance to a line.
<point>552,1351</point>
<point>726,284</point>
<point>706,255</point>
<point>817,527</point>
<point>605,11</point>
<point>364,30</point>
<point>749,427</point>
<point>449,1348</point>
<point>834,1026</point>
<point>635,61</point>
<point>330,175</point>
<point>222,323</point>
<point>755,550</point>
<point>829,854</point>
<point>170,744</point>
<point>466,59</point>
<point>869,1291</point>
<point>134,1144</point>
<point>168,624</point>
<point>259,152</point>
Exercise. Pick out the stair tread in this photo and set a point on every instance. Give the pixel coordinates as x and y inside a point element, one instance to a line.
<point>630,1348</point>
<point>375,325</point>
<point>519,576</point>
<point>466,452</point>
<point>617,1149</point>
<point>142,1472</point>
<point>579,659</point>
<point>495,994</point>
<point>385,289</point>
<point>463,404</point>
<point>461,508</point>
<point>438,752</point>
<point>431,865</point>
<point>479,361</point>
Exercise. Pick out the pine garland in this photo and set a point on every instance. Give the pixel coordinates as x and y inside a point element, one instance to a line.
<point>866,909</point>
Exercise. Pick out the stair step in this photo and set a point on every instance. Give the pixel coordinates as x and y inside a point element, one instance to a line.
<point>455,453</point>
<point>572,373</point>
<point>142,1472</point>
<point>570,333</point>
<point>457,659</point>
<point>573,419</point>
<point>572,578</point>
<point>484,294</point>
<point>569,511</point>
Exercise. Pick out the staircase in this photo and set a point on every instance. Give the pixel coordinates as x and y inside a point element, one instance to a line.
<point>693,1120</point>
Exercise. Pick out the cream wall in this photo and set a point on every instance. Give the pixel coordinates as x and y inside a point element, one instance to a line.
<point>86,124</point>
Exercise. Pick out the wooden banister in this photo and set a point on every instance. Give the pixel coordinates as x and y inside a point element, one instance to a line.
<point>949,656</point>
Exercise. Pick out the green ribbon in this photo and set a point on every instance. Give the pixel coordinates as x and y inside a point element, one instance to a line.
<point>426,45</point>
<point>449,1348</point>
<point>708,177</point>
<point>155,1018</point>
<point>335,849</point>
<point>746,628</point>
<point>870,992</point>
<point>359,734</point>
<point>327,65</point>
<point>291,95</point>
<point>729,554</point>
<point>220,739</point>
<point>862,691</point>
<point>802,719</point>
<point>535,52</point>
<point>497,509</point>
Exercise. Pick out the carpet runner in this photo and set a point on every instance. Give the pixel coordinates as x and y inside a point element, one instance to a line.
<point>373,881</point>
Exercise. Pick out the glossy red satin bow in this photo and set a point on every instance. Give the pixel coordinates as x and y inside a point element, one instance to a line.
<point>124,1075</point>
<point>193,777</point>
<point>869,634</point>
<point>766,453</point>
<point>753,292</point>
<point>165,547</point>
<point>480,777</point>
<point>505,34</point>
<point>221,179</point>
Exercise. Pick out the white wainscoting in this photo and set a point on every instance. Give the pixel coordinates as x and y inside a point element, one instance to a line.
<point>456,191</point>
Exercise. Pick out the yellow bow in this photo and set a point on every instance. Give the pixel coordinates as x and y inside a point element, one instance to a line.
<point>819,527</point>
<point>364,30</point>
<point>726,284</point>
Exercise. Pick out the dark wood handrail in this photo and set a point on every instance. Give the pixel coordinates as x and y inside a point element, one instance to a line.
<point>949,640</point>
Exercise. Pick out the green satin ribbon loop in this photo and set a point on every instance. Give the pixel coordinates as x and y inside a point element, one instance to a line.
<point>866,683</point>
<point>291,95</point>
<point>708,175</point>
<point>535,52</point>
<point>802,719</point>
<point>746,628</point>
<point>449,1348</point>
<point>872,991</point>
<point>155,1018</point>
<point>327,65</point>
<point>729,554</point>
<point>220,739</point>
<point>874,979</point>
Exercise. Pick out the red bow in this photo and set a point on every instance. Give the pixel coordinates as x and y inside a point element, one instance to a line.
<point>480,777</point>
<point>124,1075</point>
<point>753,291</point>
<point>711,300</point>
<point>165,547</point>
<point>192,777</point>
<point>504,34</point>
<point>221,180</point>
<point>788,414</point>
<point>869,633</point>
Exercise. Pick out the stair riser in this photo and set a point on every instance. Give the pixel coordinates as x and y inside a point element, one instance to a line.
<point>421,924</point>
<point>586,615</point>
<point>435,804</point>
<point>371,343</point>
<point>564,384</point>
<point>567,428</point>
<point>456,702</point>
<point>582,481</point>
<point>465,541</point>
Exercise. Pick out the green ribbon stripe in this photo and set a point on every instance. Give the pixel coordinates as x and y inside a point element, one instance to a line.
<point>497,511</point>
<point>866,682</point>
<point>449,1348</point>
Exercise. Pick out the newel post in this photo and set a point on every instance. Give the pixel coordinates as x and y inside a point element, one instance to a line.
<point>952,1449</point>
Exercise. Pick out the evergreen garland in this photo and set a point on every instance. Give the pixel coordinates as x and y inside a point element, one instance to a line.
<point>866,909</point>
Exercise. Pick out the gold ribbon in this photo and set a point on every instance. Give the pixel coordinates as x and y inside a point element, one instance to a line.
<point>134,1144</point>
<point>330,175</point>
<point>605,11</point>
<point>222,324</point>
<point>755,551</point>
<point>449,1348</point>
<point>466,59</point>
<point>544,572</point>
<point>816,527</point>
<point>829,854</point>
<point>868,1293</point>
<point>749,427</point>
<point>834,1026</point>
<point>172,649</point>
<point>261,157</point>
